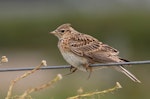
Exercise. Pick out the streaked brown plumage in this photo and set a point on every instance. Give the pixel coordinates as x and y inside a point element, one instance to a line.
<point>80,50</point>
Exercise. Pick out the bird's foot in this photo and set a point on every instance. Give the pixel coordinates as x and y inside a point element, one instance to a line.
<point>72,70</point>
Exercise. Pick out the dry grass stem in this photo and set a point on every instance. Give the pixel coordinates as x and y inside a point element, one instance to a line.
<point>117,86</point>
<point>80,91</point>
<point>43,86</point>
<point>4,59</point>
<point>13,82</point>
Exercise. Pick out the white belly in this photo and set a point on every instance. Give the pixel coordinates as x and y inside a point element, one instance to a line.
<point>75,60</point>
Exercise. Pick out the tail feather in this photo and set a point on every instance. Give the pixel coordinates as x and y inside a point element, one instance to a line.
<point>124,60</point>
<point>127,73</point>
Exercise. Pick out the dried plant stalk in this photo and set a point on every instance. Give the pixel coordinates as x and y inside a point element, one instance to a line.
<point>13,82</point>
<point>43,86</point>
<point>4,59</point>
<point>117,86</point>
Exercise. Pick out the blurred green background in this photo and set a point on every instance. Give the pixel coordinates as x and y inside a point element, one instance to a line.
<point>25,40</point>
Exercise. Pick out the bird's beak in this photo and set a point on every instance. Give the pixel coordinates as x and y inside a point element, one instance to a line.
<point>53,32</point>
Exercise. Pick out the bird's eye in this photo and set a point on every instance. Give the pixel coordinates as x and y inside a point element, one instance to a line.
<point>62,31</point>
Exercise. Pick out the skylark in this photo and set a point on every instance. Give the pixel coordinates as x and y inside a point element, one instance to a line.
<point>81,50</point>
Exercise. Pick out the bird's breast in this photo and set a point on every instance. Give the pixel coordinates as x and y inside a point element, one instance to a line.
<point>73,59</point>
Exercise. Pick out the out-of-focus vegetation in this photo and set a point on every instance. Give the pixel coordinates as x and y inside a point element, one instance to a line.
<point>25,40</point>
<point>112,29</point>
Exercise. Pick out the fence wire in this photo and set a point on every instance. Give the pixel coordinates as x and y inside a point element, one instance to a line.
<point>68,66</point>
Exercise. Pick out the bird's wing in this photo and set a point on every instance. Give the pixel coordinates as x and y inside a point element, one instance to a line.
<point>88,46</point>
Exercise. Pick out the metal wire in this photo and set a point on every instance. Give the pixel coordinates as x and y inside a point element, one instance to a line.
<point>67,66</point>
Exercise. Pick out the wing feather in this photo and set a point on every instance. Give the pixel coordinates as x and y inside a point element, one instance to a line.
<point>91,48</point>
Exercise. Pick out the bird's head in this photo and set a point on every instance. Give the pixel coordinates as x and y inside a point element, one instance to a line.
<point>62,30</point>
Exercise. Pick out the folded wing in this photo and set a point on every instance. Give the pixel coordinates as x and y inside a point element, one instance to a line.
<point>91,48</point>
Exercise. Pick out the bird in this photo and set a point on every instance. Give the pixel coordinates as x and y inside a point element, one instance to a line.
<point>81,50</point>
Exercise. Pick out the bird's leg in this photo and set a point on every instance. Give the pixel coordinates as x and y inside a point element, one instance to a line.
<point>88,68</point>
<point>74,69</point>
<point>71,67</point>
<point>71,71</point>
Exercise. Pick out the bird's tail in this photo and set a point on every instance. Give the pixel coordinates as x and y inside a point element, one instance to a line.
<point>127,73</point>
